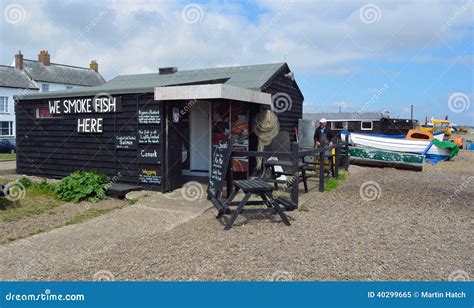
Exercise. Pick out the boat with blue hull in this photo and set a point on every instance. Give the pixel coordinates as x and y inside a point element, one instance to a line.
<point>405,145</point>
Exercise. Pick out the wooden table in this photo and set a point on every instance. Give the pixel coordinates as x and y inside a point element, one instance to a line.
<point>257,187</point>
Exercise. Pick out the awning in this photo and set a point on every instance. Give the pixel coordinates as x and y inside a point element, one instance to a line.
<point>212,91</point>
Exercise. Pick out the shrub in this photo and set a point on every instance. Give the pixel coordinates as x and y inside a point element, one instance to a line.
<point>26,182</point>
<point>80,186</point>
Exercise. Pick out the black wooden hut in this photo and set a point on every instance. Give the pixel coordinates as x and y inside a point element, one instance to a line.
<point>152,130</point>
<point>364,122</point>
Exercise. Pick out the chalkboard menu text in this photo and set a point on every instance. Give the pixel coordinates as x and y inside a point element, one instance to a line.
<point>149,156</point>
<point>150,116</point>
<point>126,142</point>
<point>219,166</point>
<point>149,136</point>
<point>149,175</point>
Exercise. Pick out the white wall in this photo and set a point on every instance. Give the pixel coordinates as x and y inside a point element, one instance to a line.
<point>10,92</point>
<point>10,115</point>
<point>54,86</point>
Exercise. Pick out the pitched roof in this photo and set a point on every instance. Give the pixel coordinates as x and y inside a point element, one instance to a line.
<point>11,77</point>
<point>253,77</point>
<point>351,116</point>
<point>60,73</point>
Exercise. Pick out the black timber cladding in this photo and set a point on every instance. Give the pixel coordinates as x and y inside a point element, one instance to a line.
<point>52,147</point>
<point>288,115</point>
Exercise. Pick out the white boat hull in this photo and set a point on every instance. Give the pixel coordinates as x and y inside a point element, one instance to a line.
<point>395,144</point>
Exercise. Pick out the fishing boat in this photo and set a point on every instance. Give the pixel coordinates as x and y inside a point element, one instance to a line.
<point>417,146</point>
<point>378,158</point>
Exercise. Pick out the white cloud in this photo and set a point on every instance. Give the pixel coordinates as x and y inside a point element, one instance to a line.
<point>313,36</point>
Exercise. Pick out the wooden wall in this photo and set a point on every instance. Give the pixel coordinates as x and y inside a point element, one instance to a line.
<point>288,118</point>
<point>52,147</point>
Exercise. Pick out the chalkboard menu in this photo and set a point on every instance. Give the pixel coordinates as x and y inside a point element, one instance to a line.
<point>219,166</point>
<point>150,175</point>
<point>149,136</point>
<point>149,116</point>
<point>126,142</point>
<point>149,156</point>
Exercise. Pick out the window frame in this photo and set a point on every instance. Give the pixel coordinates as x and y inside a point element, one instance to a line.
<point>345,125</point>
<point>4,100</point>
<point>50,116</point>
<point>362,125</point>
<point>45,86</point>
<point>10,129</point>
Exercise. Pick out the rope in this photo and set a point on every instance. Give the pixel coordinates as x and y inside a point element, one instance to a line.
<point>266,127</point>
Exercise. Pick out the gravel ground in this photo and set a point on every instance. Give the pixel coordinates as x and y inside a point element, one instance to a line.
<point>410,231</point>
<point>51,219</point>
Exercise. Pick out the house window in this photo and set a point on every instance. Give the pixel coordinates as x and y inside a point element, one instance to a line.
<point>45,87</point>
<point>366,125</point>
<point>339,125</point>
<point>43,113</point>
<point>69,87</point>
<point>3,104</point>
<point>6,128</point>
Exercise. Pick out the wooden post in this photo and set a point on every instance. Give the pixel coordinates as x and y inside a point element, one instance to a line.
<point>346,154</point>
<point>321,169</point>
<point>229,178</point>
<point>295,171</point>
<point>337,153</point>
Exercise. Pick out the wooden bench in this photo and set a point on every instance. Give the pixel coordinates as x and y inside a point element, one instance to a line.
<point>257,187</point>
<point>271,164</point>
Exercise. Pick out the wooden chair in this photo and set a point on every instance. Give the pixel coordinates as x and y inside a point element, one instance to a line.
<point>282,166</point>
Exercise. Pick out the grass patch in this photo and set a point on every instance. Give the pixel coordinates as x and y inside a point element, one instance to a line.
<point>303,208</point>
<point>37,231</point>
<point>89,214</point>
<point>333,183</point>
<point>36,202</point>
<point>330,184</point>
<point>4,156</point>
<point>342,176</point>
<point>132,201</point>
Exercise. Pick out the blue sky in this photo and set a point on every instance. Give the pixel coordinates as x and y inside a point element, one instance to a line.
<point>354,55</point>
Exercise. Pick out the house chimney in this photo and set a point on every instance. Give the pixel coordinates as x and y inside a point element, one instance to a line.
<point>94,66</point>
<point>44,58</point>
<point>167,70</point>
<point>19,60</point>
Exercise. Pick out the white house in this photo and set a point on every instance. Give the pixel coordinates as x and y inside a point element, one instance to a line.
<point>25,76</point>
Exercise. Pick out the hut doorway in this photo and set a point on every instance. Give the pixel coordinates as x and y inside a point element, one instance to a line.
<point>200,138</point>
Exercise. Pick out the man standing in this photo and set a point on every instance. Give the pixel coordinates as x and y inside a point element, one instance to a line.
<point>323,134</point>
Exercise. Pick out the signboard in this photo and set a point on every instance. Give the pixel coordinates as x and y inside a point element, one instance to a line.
<point>149,116</point>
<point>149,156</point>
<point>99,104</point>
<point>149,136</point>
<point>149,175</point>
<point>126,142</point>
<point>219,166</point>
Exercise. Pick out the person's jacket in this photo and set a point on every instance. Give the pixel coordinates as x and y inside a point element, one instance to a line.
<point>327,131</point>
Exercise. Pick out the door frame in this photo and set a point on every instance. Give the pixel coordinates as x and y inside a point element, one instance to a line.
<point>188,172</point>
